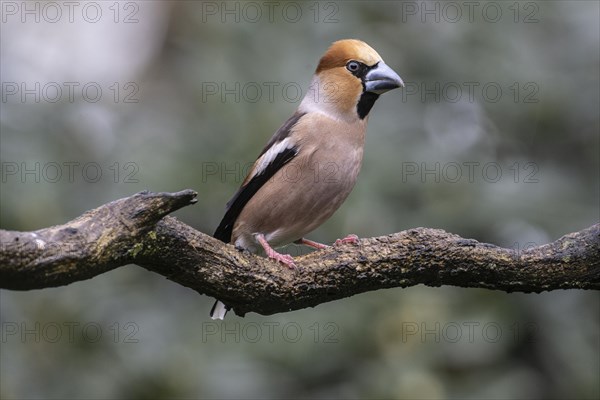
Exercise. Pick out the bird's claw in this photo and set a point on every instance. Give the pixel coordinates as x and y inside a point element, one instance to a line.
<point>351,239</point>
<point>285,259</point>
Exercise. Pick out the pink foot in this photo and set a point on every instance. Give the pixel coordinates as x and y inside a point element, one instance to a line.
<point>352,239</point>
<point>310,243</point>
<point>285,259</point>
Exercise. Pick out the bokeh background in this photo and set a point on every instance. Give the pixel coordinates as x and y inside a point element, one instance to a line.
<point>496,138</point>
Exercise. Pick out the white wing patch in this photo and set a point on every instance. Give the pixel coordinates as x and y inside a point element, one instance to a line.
<point>270,155</point>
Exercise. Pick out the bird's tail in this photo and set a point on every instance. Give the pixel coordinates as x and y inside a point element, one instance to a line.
<point>218,310</point>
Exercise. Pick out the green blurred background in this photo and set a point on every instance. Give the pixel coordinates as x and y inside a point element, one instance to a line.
<point>495,137</point>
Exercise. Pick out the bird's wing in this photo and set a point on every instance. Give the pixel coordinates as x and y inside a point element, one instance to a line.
<point>280,150</point>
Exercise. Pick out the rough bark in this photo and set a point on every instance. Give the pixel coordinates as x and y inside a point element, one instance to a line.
<point>137,230</point>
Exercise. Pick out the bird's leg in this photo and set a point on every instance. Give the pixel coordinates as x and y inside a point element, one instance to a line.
<point>271,253</point>
<point>310,243</point>
<point>352,239</point>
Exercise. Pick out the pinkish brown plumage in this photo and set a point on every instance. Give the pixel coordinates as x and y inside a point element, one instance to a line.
<point>310,165</point>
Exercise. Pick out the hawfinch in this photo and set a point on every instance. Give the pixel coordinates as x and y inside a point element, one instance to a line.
<point>308,168</point>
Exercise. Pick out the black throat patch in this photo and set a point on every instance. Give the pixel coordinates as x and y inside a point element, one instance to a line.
<point>367,99</point>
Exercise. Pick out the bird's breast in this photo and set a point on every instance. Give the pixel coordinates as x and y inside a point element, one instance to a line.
<point>304,193</point>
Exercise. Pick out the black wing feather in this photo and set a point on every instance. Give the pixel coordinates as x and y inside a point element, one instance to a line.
<point>282,132</point>
<point>245,193</point>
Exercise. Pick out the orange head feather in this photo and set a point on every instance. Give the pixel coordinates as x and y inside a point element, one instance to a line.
<point>342,51</point>
<point>349,78</point>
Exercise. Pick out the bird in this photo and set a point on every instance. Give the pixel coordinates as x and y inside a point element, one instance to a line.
<point>310,165</point>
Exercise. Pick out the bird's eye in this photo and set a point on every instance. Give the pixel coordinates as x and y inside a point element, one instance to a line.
<point>353,66</point>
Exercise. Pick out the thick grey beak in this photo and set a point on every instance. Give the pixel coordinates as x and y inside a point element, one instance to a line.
<point>381,79</point>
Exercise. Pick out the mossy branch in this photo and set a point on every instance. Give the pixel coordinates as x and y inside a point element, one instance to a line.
<point>137,230</point>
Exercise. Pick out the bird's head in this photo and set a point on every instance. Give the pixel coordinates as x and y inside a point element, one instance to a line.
<point>348,80</point>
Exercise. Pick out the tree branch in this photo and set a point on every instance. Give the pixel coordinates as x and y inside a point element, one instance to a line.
<point>136,230</point>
